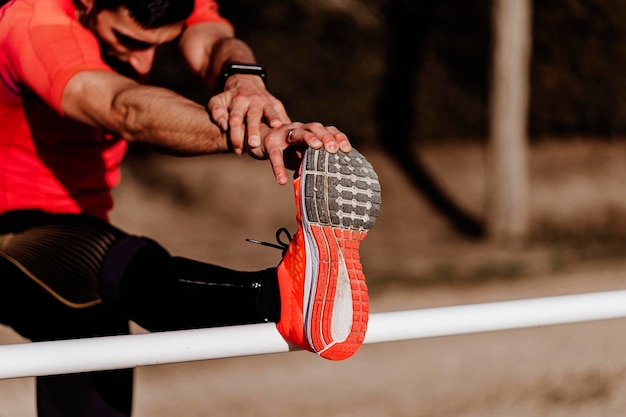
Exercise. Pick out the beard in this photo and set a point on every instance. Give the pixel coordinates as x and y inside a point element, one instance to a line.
<point>120,67</point>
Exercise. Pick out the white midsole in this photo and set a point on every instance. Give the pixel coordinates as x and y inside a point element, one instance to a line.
<point>341,324</point>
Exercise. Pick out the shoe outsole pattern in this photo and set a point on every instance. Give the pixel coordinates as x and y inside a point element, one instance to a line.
<point>340,197</point>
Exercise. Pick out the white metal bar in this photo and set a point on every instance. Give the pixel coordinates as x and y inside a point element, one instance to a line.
<point>116,352</point>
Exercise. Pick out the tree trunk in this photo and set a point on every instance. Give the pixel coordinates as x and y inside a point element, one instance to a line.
<point>507,178</point>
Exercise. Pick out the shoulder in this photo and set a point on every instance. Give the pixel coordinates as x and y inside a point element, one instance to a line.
<point>205,11</point>
<point>40,22</point>
<point>47,27</point>
<point>27,14</point>
<point>43,46</point>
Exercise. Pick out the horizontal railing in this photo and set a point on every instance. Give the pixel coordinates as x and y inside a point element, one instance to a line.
<point>117,352</point>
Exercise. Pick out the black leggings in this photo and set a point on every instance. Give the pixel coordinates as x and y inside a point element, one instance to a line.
<point>136,280</point>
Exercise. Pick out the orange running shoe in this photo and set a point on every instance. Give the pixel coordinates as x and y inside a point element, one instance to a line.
<point>324,301</point>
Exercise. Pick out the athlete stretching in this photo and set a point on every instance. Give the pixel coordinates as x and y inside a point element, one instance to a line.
<point>73,93</point>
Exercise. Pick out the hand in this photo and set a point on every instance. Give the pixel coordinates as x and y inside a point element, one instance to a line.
<point>242,107</point>
<point>283,146</point>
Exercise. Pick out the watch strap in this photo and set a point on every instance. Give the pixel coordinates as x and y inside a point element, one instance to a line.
<point>232,68</point>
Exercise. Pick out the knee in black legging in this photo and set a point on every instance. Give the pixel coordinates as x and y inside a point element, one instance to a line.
<point>161,292</point>
<point>130,265</point>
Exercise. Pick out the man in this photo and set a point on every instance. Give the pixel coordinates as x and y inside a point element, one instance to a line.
<point>72,95</point>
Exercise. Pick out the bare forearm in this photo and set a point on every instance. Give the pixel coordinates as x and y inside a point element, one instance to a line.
<point>168,121</point>
<point>228,50</point>
<point>152,115</point>
<point>207,46</point>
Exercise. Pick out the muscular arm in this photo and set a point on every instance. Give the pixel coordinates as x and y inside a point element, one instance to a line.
<point>207,46</point>
<point>178,126</point>
<point>245,103</point>
<point>152,115</point>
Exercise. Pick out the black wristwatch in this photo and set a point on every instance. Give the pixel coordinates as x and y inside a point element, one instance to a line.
<point>231,68</point>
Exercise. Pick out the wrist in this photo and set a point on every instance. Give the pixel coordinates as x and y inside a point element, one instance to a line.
<point>234,68</point>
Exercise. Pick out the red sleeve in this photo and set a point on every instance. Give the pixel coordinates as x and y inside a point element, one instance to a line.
<point>50,56</point>
<point>205,11</point>
<point>43,46</point>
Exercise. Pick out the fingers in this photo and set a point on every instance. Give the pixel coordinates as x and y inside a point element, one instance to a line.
<point>257,112</point>
<point>236,124</point>
<point>314,135</point>
<point>242,116</point>
<point>317,135</point>
<point>229,119</point>
<point>254,115</point>
<point>278,165</point>
<point>242,112</point>
<point>273,144</point>
<point>276,114</point>
<point>218,110</point>
<point>243,107</point>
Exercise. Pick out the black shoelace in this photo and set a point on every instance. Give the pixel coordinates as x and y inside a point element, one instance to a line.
<point>280,245</point>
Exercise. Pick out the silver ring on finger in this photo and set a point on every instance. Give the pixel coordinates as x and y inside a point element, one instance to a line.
<point>289,135</point>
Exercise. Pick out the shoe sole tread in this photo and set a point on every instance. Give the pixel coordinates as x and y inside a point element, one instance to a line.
<point>341,202</point>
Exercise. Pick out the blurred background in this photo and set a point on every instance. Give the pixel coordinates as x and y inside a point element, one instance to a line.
<point>474,210</point>
<point>412,83</point>
<point>329,60</point>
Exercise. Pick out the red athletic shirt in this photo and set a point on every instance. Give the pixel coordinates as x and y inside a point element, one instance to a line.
<point>47,161</point>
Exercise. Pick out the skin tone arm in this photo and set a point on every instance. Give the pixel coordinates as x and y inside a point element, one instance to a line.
<point>244,104</point>
<point>174,124</point>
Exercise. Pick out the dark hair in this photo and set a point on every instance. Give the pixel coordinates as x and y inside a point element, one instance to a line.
<point>151,14</point>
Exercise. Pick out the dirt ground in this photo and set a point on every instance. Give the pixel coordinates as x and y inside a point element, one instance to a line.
<point>413,259</point>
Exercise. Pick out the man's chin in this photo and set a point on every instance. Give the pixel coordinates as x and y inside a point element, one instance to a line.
<point>122,68</point>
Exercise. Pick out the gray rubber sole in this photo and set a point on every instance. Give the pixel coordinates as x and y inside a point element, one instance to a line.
<point>341,189</point>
